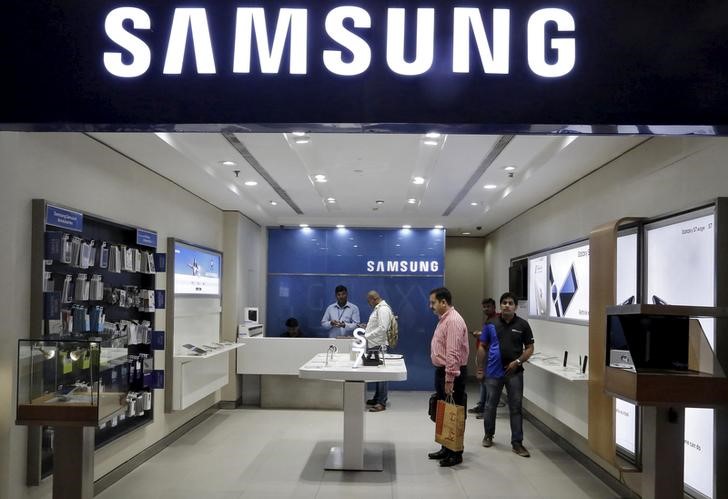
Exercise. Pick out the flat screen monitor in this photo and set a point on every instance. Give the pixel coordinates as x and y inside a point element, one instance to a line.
<point>518,279</point>
<point>251,315</point>
<point>197,270</point>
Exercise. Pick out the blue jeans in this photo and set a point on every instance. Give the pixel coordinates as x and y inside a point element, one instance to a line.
<point>381,390</point>
<point>514,390</point>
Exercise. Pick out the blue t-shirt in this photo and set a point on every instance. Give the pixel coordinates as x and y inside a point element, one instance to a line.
<point>493,364</point>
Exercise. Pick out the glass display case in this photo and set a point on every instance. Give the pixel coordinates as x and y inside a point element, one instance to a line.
<point>659,354</point>
<point>72,382</point>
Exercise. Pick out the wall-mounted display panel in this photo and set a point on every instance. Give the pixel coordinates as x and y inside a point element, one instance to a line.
<point>625,419</point>
<point>537,286</point>
<point>568,284</point>
<point>680,256</point>
<point>197,271</point>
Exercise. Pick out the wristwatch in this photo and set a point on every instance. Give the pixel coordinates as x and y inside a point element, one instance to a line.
<point>518,361</point>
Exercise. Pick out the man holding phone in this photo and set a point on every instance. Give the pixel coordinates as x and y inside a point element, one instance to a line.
<point>341,317</point>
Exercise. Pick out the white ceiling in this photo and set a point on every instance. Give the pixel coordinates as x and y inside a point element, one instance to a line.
<point>363,168</point>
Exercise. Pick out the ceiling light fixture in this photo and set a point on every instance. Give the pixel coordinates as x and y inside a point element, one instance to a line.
<point>251,183</point>
<point>340,226</point>
<point>406,226</point>
<point>273,203</point>
<point>379,201</point>
<point>430,142</point>
<point>411,200</point>
<point>510,168</point>
<point>489,186</point>
<point>466,233</point>
<point>331,200</point>
<point>320,178</point>
<point>228,163</point>
<point>303,226</point>
<point>303,141</point>
<point>298,134</point>
<point>418,180</point>
<point>474,204</point>
<point>433,135</point>
<point>439,227</point>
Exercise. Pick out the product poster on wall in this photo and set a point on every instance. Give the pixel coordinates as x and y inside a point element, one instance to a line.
<point>625,412</point>
<point>537,301</point>
<point>680,271</point>
<point>568,284</point>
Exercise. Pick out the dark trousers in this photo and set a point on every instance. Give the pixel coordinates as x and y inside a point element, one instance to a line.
<point>514,388</point>
<point>458,395</point>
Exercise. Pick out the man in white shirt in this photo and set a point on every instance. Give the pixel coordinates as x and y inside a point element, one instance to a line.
<point>376,335</point>
<point>341,317</point>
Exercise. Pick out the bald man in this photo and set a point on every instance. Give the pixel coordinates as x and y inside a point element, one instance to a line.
<point>376,335</point>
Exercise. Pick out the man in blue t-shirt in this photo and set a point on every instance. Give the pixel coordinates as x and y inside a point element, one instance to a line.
<point>508,343</point>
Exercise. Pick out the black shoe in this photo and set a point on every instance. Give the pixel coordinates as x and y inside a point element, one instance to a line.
<point>478,409</point>
<point>488,441</point>
<point>451,460</point>
<point>371,402</point>
<point>519,449</point>
<point>441,454</point>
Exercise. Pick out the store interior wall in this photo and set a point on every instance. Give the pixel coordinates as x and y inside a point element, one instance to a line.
<point>243,248</point>
<point>465,278</point>
<point>74,170</point>
<point>663,175</point>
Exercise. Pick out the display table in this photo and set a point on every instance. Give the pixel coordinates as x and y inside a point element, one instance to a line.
<point>353,455</point>
<point>555,366</point>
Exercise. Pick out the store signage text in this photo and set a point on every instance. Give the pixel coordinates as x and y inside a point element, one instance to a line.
<point>549,31</point>
<point>403,266</point>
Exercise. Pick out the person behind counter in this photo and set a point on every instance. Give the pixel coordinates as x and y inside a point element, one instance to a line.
<point>292,329</point>
<point>341,317</point>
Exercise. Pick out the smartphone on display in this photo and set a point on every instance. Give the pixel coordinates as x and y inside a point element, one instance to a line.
<point>658,301</point>
<point>195,349</point>
<point>568,289</point>
<point>628,301</point>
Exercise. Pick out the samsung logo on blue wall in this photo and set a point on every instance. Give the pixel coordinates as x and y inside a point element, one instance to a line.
<point>403,266</point>
<point>292,28</point>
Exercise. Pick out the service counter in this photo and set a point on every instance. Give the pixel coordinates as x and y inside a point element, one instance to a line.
<point>270,369</point>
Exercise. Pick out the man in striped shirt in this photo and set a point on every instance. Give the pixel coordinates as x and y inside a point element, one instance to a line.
<point>449,355</point>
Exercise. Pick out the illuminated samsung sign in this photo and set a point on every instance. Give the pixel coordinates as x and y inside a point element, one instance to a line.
<point>403,266</point>
<point>550,41</point>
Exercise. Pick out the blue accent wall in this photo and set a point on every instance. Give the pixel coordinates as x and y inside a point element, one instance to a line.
<point>403,265</point>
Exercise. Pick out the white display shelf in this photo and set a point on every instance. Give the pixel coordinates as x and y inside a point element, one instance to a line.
<point>211,353</point>
<point>197,376</point>
<point>555,366</point>
<point>341,367</point>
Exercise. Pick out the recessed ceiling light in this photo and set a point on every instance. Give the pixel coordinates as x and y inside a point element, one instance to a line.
<point>298,134</point>
<point>228,163</point>
<point>331,200</point>
<point>273,203</point>
<point>406,226</point>
<point>411,200</point>
<point>251,183</point>
<point>303,141</point>
<point>474,203</point>
<point>379,201</point>
<point>341,226</point>
<point>320,178</point>
<point>430,142</point>
<point>303,226</point>
<point>418,180</point>
<point>433,135</point>
<point>439,227</point>
<point>489,186</point>
<point>510,168</point>
<point>466,233</point>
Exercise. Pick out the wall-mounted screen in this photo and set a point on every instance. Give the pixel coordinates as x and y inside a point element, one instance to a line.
<point>518,279</point>
<point>568,284</point>
<point>197,270</point>
<point>537,300</point>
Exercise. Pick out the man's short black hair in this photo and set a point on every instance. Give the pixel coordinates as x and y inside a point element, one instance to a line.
<point>487,301</point>
<point>510,295</point>
<point>291,322</point>
<point>340,288</point>
<point>442,294</point>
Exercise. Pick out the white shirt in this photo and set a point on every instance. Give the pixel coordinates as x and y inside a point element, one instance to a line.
<point>378,325</point>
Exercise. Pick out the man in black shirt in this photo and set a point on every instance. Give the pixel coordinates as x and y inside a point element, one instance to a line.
<point>515,346</point>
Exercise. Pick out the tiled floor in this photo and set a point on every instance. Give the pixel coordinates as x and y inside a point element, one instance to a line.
<point>258,453</point>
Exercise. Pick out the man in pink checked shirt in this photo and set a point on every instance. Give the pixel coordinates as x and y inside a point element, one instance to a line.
<point>449,355</point>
